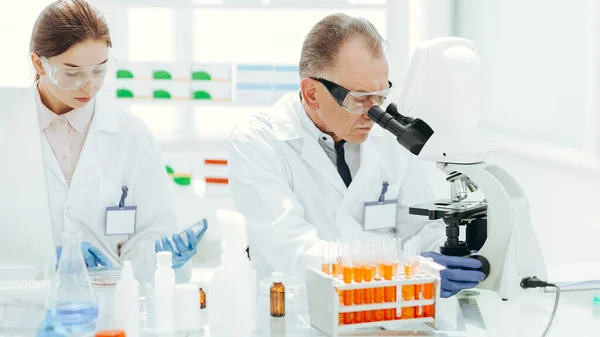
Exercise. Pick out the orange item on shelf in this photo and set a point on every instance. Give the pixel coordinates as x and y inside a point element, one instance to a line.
<point>110,333</point>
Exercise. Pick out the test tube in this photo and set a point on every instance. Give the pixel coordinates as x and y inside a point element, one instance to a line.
<point>415,266</point>
<point>408,291</point>
<point>380,256</point>
<point>358,271</point>
<point>337,260</point>
<point>347,277</point>
<point>378,249</point>
<point>369,276</point>
<point>389,262</point>
<point>428,310</point>
<point>399,273</point>
<point>326,257</point>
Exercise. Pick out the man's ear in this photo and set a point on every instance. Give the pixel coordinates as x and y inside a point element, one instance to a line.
<point>309,93</point>
<point>37,64</point>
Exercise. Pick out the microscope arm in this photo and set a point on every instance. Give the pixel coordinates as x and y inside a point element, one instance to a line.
<point>511,248</point>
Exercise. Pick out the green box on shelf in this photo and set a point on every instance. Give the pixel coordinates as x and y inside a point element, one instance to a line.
<point>161,94</point>
<point>124,74</point>
<point>201,76</point>
<point>201,95</point>
<point>162,75</point>
<point>124,93</point>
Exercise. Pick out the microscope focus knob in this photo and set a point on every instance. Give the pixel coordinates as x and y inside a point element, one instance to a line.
<point>485,264</point>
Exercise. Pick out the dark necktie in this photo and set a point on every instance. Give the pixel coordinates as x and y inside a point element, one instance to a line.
<point>342,166</point>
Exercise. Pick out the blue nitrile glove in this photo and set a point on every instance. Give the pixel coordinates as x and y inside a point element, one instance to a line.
<point>93,256</point>
<point>184,252</point>
<point>459,273</point>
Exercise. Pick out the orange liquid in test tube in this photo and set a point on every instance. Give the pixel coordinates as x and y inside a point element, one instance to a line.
<point>389,292</point>
<point>341,315</point>
<point>408,294</point>
<point>337,268</point>
<point>347,294</point>
<point>378,298</point>
<point>326,268</point>
<point>427,295</point>
<point>380,269</point>
<point>369,292</point>
<point>359,294</point>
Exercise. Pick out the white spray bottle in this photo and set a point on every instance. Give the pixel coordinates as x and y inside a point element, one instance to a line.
<point>232,292</point>
<point>127,306</point>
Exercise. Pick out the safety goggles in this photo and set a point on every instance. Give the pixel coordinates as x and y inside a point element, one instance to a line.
<point>355,102</point>
<point>68,78</point>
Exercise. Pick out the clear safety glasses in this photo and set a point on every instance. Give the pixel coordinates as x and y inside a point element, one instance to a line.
<point>355,102</point>
<point>70,78</point>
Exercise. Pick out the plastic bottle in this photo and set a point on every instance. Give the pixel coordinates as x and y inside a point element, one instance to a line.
<point>127,306</point>
<point>202,296</point>
<point>233,286</point>
<point>164,291</point>
<point>187,310</point>
<point>277,295</point>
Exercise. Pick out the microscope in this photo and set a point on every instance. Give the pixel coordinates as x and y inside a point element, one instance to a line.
<point>443,89</point>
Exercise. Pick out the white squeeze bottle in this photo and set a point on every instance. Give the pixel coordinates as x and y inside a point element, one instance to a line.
<point>232,294</point>
<point>164,291</point>
<point>127,295</point>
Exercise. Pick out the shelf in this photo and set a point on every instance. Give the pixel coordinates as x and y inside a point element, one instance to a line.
<point>190,102</point>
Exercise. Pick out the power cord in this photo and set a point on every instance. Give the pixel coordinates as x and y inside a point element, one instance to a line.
<point>534,282</point>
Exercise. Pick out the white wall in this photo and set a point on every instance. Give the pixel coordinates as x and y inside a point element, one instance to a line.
<point>540,59</point>
<point>540,105</point>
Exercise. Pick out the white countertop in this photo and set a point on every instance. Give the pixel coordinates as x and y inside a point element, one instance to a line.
<point>523,316</point>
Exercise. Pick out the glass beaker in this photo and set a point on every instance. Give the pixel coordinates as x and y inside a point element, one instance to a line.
<point>75,303</point>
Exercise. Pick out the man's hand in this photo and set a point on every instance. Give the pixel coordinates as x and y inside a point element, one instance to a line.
<point>460,273</point>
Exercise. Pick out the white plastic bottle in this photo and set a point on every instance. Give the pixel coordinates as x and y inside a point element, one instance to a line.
<point>232,295</point>
<point>127,295</point>
<point>164,291</point>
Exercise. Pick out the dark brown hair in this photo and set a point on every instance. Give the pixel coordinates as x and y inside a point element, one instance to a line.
<point>324,41</point>
<point>65,23</point>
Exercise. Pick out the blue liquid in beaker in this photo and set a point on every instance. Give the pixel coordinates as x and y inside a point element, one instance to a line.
<point>77,316</point>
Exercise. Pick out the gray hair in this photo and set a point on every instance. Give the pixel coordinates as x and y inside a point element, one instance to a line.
<point>324,41</point>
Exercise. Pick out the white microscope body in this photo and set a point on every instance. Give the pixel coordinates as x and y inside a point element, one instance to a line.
<point>443,89</point>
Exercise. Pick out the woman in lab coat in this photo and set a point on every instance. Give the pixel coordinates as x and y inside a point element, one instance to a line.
<point>97,156</point>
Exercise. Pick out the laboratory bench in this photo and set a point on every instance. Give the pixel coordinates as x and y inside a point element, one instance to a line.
<point>483,315</point>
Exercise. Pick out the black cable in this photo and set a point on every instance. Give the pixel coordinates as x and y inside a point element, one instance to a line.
<point>534,282</point>
<point>554,309</point>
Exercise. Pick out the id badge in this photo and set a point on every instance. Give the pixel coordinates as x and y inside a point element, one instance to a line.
<point>381,214</point>
<point>120,220</point>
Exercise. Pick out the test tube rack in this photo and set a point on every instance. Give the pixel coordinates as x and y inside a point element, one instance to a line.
<point>325,310</point>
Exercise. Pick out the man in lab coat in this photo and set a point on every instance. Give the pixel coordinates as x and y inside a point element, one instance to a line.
<point>302,171</point>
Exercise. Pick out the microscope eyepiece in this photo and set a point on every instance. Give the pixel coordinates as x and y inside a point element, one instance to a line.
<point>412,133</point>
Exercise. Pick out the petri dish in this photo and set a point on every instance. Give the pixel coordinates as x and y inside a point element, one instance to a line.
<point>294,286</point>
<point>104,276</point>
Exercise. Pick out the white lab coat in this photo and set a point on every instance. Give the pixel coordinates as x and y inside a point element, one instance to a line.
<point>292,196</point>
<point>119,150</point>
